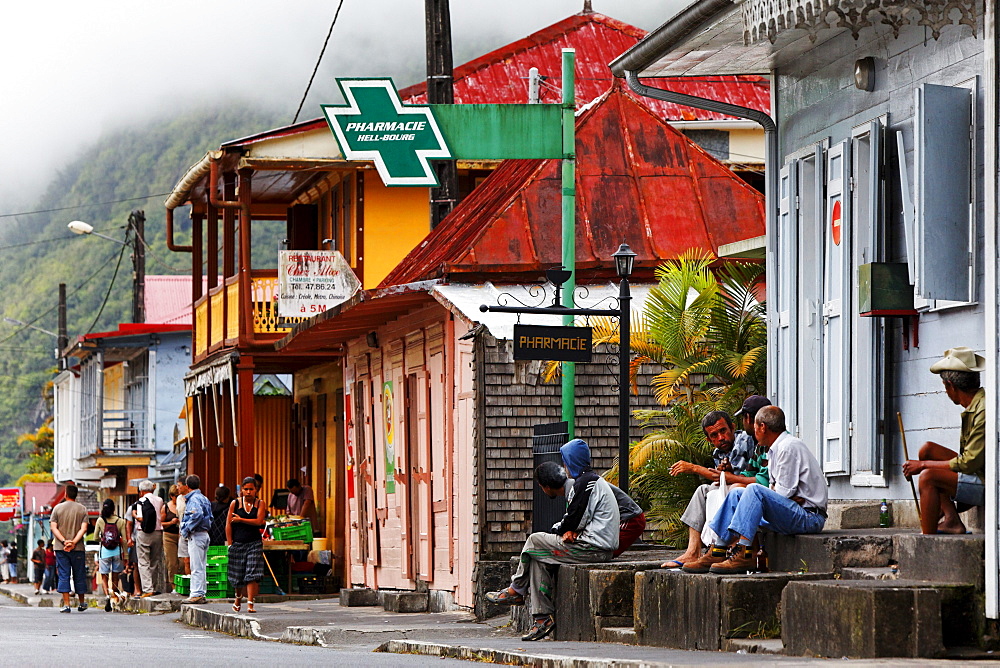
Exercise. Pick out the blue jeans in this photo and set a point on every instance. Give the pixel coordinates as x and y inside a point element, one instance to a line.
<point>746,507</point>
<point>72,563</point>
<point>198,552</point>
<point>50,577</point>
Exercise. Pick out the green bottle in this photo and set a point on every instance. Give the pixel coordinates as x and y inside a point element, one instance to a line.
<point>883,514</point>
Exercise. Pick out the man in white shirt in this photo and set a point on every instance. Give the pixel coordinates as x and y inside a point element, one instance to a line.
<point>148,544</point>
<point>795,503</point>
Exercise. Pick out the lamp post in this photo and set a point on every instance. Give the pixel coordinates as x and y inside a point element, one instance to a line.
<point>136,222</point>
<point>624,259</point>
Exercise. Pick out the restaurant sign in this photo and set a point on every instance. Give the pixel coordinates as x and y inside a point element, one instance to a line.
<point>311,282</point>
<point>559,344</point>
<point>10,503</point>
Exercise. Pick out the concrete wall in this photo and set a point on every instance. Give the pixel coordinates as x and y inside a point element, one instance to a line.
<point>816,101</point>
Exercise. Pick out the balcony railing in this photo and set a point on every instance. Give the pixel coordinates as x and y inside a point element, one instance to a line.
<point>217,320</point>
<point>124,432</point>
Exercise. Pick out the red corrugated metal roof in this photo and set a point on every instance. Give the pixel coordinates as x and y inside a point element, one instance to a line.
<point>501,76</point>
<point>637,179</point>
<point>168,299</point>
<point>134,329</point>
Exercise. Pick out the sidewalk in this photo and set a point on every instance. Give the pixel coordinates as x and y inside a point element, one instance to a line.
<point>25,593</point>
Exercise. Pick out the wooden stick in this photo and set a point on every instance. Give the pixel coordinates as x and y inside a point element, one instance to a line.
<point>906,455</point>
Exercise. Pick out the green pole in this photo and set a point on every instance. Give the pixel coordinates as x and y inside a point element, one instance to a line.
<point>569,223</point>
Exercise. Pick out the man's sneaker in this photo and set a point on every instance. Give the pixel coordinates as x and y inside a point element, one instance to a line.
<point>65,608</point>
<point>715,555</point>
<point>107,605</point>
<point>194,600</point>
<point>543,626</point>
<point>742,560</point>
<point>81,607</point>
<point>505,597</point>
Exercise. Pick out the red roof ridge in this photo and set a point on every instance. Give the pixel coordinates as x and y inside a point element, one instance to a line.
<point>537,38</point>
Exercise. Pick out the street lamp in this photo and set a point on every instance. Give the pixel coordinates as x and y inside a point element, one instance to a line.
<point>19,323</point>
<point>80,227</point>
<point>136,223</point>
<point>624,259</point>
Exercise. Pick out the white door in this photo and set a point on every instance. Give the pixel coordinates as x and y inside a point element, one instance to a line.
<point>836,304</point>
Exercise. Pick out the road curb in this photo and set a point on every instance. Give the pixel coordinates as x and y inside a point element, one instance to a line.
<point>504,657</point>
<point>48,601</point>
<point>240,626</point>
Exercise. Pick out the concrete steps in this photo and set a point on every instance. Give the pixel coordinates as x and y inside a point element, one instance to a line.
<point>878,618</point>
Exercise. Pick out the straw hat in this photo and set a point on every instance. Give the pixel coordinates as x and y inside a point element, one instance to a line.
<point>959,359</point>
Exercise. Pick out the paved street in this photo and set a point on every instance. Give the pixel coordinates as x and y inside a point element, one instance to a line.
<point>46,637</point>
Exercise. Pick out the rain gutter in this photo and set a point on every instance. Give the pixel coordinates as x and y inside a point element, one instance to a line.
<point>690,21</point>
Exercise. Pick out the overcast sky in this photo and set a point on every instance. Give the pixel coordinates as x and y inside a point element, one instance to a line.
<point>72,71</point>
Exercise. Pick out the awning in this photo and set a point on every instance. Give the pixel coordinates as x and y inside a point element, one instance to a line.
<point>218,372</point>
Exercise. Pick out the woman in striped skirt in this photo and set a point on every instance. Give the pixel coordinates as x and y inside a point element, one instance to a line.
<point>246,548</point>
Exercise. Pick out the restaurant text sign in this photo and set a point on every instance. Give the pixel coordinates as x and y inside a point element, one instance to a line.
<point>310,282</point>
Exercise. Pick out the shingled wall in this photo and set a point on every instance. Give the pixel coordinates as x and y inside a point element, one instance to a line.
<point>514,400</point>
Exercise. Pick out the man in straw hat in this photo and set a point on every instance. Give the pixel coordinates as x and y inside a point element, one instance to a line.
<point>949,478</point>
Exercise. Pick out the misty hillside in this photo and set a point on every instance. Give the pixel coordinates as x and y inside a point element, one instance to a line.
<point>37,251</point>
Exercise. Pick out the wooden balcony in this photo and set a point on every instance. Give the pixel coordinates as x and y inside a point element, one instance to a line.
<point>217,321</point>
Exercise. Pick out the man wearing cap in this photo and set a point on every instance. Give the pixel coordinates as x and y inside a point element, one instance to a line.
<point>948,477</point>
<point>735,455</point>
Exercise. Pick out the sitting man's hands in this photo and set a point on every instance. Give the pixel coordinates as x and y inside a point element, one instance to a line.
<point>912,467</point>
<point>570,536</point>
<point>682,466</point>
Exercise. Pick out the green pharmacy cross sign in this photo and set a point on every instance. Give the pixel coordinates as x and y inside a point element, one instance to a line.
<point>400,139</point>
<point>374,125</point>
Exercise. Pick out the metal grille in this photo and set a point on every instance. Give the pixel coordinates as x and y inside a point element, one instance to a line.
<point>545,444</point>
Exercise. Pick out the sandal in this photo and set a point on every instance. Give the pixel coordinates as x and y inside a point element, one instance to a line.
<point>672,564</point>
<point>236,604</point>
<point>250,607</point>
<point>506,597</point>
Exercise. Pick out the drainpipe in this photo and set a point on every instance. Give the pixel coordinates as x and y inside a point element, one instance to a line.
<point>771,169</point>
<point>170,236</point>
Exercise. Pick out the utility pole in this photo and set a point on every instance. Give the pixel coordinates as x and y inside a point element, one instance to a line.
<point>62,340</point>
<point>440,90</point>
<point>137,222</point>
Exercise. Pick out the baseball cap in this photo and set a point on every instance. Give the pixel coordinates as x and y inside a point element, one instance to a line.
<point>752,404</point>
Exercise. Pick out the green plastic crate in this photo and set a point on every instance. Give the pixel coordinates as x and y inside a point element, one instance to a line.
<point>223,593</point>
<point>215,568</point>
<point>182,580</point>
<point>302,532</point>
<point>218,551</point>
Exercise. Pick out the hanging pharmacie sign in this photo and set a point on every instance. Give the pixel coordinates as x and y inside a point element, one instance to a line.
<point>310,282</point>
<point>401,139</point>
<point>558,344</point>
<point>10,503</point>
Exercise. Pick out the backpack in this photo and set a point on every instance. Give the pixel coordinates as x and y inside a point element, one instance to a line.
<point>148,524</point>
<point>110,538</point>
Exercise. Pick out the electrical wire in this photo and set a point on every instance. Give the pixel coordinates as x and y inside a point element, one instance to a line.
<point>111,284</point>
<point>80,206</point>
<point>318,61</point>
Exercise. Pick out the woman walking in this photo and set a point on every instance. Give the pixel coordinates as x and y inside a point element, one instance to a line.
<point>171,533</point>
<point>110,531</point>
<point>50,569</point>
<point>246,549</point>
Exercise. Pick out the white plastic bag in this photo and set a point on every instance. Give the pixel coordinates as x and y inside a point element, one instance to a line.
<point>712,504</point>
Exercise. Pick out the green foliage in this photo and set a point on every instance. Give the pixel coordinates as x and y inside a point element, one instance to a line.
<point>37,252</point>
<point>34,477</point>
<point>705,331</point>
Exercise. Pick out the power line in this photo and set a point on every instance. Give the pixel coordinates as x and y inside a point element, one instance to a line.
<point>81,206</point>
<point>107,294</point>
<point>318,61</point>
<point>63,238</point>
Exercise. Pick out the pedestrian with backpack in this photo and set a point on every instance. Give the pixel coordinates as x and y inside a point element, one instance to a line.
<point>148,540</point>
<point>110,531</point>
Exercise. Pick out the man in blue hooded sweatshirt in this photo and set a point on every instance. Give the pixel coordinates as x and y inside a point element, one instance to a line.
<point>587,533</point>
<point>576,459</point>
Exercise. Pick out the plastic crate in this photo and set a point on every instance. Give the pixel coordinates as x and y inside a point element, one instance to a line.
<point>218,551</point>
<point>301,532</point>
<point>182,580</point>
<point>216,567</point>
<point>220,593</point>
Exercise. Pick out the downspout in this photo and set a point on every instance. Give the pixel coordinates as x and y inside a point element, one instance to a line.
<point>170,236</point>
<point>771,160</point>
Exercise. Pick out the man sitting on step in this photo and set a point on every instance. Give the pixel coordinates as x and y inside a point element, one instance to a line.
<point>947,477</point>
<point>587,533</point>
<point>735,455</point>
<point>795,503</point>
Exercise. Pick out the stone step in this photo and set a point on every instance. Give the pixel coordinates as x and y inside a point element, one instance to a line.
<point>592,596</point>
<point>404,601</point>
<point>353,598</point>
<point>686,611</point>
<point>753,645</point>
<point>830,550</point>
<point>852,515</point>
<point>886,573</point>
<point>624,635</point>
<point>878,618</point>
<point>941,558</point>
